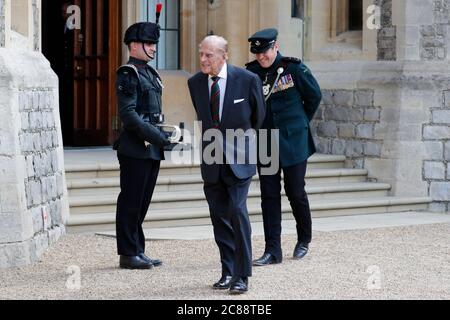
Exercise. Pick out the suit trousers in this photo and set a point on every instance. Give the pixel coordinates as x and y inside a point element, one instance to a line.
<point>227,200</point>
<point>137,183</point>
<point>294,185</point>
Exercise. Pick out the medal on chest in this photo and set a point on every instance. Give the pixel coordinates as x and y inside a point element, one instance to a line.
<point>284,83</point>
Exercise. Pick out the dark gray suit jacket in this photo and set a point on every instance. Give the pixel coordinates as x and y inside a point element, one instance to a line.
<point>243,108</point>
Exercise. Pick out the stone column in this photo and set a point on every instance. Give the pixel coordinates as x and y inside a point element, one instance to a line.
<point>236,30</point>
<point>189,40</point>
<point>130,15</point>
<point>2,23</point>
<point>33,193</point>
<point>36,14</point>
<point>387,35</point>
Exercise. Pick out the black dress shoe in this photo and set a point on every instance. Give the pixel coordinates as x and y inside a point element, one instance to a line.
<point>266,259</point>
<point>223,283</point>
<point>239,285</point>
<point>301,249</point>
<point>134,263</point>
<point>154,262</point>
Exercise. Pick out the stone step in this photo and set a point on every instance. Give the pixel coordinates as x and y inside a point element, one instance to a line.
<point>200,216</point>
<point>193,182</point>
<point>110,168</point>
<point>182,199</point>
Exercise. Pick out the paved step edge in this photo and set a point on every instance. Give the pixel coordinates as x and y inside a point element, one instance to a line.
<point>100,200</point>
<point>196,178</point>
<point>165,165</point>
<point>179,214</point>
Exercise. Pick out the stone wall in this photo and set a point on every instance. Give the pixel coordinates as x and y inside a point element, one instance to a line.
<point>436,166</point>
<point>387,35</point>
<point>405,140</point>
<point>391,118</point>
<point>33,193</point>
<point>345,125</point>
<point>434,38</point>
<point>39,145</point>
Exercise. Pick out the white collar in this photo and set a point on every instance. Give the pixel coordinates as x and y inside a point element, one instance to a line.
<point>223,74</point>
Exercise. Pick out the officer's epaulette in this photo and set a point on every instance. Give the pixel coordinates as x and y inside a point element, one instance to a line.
<point>251,63</point>
<point>291,60</point>
<point>129,67</point>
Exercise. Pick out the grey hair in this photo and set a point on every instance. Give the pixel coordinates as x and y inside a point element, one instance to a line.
<point>219,41</point>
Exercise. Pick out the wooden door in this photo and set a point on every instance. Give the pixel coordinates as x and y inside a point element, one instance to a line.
<point>96,59</point>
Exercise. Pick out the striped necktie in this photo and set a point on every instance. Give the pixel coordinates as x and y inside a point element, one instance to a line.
<point>215,102</point>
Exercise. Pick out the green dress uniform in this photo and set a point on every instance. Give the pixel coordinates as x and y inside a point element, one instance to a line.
<point>291,106</point>
<point>293,97</point>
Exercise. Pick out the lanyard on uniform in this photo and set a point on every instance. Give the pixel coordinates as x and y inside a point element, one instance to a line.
<point>280,71</point>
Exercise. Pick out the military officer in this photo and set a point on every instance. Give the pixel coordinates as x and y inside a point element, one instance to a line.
<point>293,96</point>
<point>140,145</point>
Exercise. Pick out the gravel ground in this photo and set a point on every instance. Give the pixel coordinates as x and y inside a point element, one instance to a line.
<point>391,263</point>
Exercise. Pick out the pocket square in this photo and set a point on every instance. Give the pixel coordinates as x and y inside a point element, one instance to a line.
<point>238,101</point>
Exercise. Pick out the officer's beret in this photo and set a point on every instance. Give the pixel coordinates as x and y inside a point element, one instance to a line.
<point>263,40</point>
<point>146,32</point>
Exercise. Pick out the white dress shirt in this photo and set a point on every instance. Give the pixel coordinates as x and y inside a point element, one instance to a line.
<point>222,84</point>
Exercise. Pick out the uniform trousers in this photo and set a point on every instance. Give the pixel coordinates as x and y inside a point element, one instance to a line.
<point>294,185</point>
<point>137,183</point>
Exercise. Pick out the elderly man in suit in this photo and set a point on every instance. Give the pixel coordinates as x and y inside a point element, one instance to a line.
<point>227,98</point>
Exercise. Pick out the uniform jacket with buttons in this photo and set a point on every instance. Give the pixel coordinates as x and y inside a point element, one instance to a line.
<point>139,93</point>
<point>291,107</point>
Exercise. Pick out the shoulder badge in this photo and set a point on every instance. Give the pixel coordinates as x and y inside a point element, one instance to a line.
<point>252,63</point>
<point>129,68</point>
<point>291,60</point>
<point>305,69</point>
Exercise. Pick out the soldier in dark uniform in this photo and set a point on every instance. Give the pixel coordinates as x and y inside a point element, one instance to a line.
<point>292,96</point>
<point>140,145</point>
